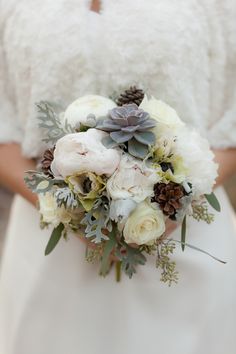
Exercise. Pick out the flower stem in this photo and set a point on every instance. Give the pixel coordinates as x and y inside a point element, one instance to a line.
<point>118,271</point>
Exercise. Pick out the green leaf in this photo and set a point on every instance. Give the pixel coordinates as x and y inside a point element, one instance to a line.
<point>54,239</point>
<point>213,201</point>
<point>183,233</point>
<point>107,251</point>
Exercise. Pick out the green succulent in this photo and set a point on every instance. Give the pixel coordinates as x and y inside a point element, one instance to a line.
<point>129,125</point>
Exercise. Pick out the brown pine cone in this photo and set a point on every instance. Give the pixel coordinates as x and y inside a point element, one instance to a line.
<point>168,197</point>
<point>46,161</point>
<point>132,95</point>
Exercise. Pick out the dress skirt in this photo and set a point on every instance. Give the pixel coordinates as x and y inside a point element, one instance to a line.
<point>58,304</point>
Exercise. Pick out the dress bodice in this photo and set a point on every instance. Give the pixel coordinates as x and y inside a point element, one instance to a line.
<point>180,51</point>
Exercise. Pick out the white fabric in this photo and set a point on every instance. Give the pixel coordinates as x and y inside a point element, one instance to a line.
<point>183,53</point>
<point>58,304</point>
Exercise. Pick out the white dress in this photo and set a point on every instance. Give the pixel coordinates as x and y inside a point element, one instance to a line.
<point>180,51</point>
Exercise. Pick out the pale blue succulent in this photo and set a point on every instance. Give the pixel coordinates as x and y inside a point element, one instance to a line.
<point>129,125</point>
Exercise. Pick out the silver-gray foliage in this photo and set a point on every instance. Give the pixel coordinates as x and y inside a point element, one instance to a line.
<point>95,227</point>
<point>51,122</point>
<point>65,196</point>
<point>38,182</point>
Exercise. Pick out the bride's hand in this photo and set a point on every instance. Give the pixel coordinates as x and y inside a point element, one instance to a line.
<point>171,226</point>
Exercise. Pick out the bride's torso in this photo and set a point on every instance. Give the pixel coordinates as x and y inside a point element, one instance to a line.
<point>59,50</point>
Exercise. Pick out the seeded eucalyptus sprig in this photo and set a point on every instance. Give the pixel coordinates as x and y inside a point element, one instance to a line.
<point>169,274</point>
<point>200,212</point>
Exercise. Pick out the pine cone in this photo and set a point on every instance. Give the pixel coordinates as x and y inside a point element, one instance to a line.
<point>132,95</point>
<point>168,197</point>
<point>46,161</point>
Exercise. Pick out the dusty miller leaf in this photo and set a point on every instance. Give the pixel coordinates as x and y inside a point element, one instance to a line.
<point>65,196</point>
<point>130,259</point>
<point>95,227</point>
<point>51,123</point>
<point>38,182</point>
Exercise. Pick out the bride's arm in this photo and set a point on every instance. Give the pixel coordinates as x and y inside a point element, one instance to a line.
<point>227,164</point>
<point>12,168</point>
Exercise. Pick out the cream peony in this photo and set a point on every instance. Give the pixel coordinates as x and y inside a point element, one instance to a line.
<point>198,160</point>
<point>84,152</point>
<point>50,211</point>
<point>78,111</point>
<point>165,115</point>
<point>144,225</point>
<point>132,180</point>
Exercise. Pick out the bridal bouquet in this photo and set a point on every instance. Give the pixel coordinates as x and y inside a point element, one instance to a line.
<point>115,172</point>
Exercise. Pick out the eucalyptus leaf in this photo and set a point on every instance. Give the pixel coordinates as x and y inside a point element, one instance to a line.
<point>110,244</point>
<point>213,201</point>
<point>54,239</point>
<point>183,233</point>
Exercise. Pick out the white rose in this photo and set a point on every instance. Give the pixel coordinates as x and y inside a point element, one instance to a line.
<point>78,111</point>
<point>144,225</point>
<point>165,115</point>
<point>132,180</point>
<point>84,152</point>
<point>50,211</point>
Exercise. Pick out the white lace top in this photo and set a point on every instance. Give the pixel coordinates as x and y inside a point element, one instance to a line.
<point>183,52</point>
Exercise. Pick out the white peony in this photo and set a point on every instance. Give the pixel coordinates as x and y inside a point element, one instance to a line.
<point>50,211</point>
<point>198,160</point>
<point>84,152</point>
<point>132,180</point>
<point>165,115</point>
<point>120,209</point>
<point>144,225</point>
<point>78,111</point>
